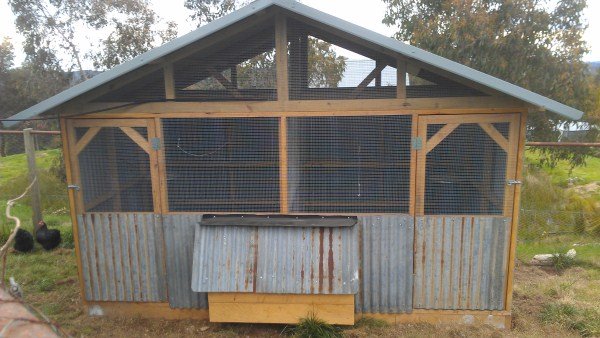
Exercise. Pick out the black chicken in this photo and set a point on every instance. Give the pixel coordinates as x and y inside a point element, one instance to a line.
<point>48,238</point>
<point>23,241</point>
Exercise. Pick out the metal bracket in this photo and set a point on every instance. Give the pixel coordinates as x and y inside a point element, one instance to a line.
<point>513,182</point>
<point>155,142</point>
<point>73,186</point>
<point>417,143</point>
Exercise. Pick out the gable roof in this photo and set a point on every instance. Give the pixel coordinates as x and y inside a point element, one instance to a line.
<point>394,45</point>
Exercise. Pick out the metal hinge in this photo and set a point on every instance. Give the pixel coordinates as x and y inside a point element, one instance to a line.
<point>513,182</point>
<point>73,186</point>
<point>417,143</point>
<point>155,142</point>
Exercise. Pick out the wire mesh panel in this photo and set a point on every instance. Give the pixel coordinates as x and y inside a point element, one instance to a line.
<point>219,165</point>
<point>466,172</point>
<point>323,65</point>
<point>115,171</point>
<point>240,69</point>
<point>349,164</point>
<point>147,89</point>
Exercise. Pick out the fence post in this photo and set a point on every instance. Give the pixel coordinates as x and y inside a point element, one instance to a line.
<point>36,204</point>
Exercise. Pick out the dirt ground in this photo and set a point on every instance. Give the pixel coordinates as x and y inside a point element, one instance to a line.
<point>57,295</point>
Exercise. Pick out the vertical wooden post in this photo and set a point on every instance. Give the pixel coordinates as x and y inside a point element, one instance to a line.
<point>169,82</point>
<point>36,204</point>
<point>283,166</point>
<point>281,57</point>
<point>401,80</point>
<point>378,75</point>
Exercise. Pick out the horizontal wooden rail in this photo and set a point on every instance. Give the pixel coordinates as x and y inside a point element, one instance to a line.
<point>39,132</point>
<point>562,144</point>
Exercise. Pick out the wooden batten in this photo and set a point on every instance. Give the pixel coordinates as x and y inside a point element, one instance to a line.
<point>169,81</point>
<point>283,166</point>
<point>279,308</point>
<point>401,80</point>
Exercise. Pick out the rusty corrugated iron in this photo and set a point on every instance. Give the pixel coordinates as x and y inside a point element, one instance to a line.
<point>386,264</point>
<point>276,260</point>
<point>461,262</point>
<point>122,257</point>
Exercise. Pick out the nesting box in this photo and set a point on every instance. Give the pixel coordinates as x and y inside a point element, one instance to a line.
<point>249,172</point>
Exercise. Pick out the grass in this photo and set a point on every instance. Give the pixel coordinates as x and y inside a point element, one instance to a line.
<point>584,321</point>
<point>313,327</point>
<point>560,173</point>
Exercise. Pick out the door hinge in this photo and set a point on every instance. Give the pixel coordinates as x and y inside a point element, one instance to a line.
<point>73,186</point>
<point>155,142</point>
<point>417,143</point>
<point>513,182</point>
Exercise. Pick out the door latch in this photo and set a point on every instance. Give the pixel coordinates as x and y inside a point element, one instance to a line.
<point>73,186</point>
<point>513,182</point>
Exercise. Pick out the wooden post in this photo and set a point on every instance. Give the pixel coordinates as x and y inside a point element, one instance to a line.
<point>401,80</point>
<point>281,58</point>
<point>169,81</point>
<point>36,204</point>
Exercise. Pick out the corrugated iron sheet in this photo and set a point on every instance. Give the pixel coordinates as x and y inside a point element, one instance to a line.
<point>276,260</point>
<point>179,247</point>
<point>122,257</point>
<point>386,264</point>
<point>460,262</point>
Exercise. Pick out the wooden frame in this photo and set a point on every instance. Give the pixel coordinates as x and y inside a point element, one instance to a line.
<point>451,122</point>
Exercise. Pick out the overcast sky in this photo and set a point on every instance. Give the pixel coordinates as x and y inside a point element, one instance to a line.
<point>366,13</point>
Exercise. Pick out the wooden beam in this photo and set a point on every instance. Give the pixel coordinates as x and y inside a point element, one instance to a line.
<point>229,86</point>
<point>455,106</point>
<point>401,79</point>
<point>137,138</point>
<point>283,166</point>
<point>439,136</point>
<point>86,139</point>
<point>522,130</point>
<point>281,58</point>
<point>495,135</point>
<point>280,308</point>
<point>369,78</point>
<point>65,136</point>
<point>169,81</point>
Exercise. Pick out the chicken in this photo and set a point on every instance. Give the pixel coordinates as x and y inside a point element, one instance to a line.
<point>48,238</point>
<point>23,241</point>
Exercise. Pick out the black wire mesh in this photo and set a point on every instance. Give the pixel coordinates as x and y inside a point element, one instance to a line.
<point>115,172</point>
<point>149,88</point>
<point>349,164</point>
<point>466,172</point>
<point>222,164</point>
<point>240,69</point>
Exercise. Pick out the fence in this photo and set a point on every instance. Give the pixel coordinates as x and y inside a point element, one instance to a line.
<point>25,153</point>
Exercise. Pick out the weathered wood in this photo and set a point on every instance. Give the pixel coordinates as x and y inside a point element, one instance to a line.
<point>373,75</point>
<point>36,198</point>
<point>143,310</point>
<point>284,309</point>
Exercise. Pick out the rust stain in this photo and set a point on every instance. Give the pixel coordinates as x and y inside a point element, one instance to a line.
<point>321,250</point>
<point>330,261</point>
<point>255,265</point>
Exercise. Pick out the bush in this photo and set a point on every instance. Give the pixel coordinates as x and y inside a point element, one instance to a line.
<point>313,327</point>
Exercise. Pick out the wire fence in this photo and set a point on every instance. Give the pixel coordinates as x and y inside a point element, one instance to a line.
<point>574,211</point>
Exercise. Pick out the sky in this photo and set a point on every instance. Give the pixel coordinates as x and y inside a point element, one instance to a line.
<point>356,11</point>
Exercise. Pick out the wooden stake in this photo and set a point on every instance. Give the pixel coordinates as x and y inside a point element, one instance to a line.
<point>36,203</point>
<point>281,57</point>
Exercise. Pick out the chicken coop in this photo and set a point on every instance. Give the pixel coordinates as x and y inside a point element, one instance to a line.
<point>280,161</point>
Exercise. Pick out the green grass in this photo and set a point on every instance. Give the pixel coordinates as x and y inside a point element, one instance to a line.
<point>560,174</point>
<point>313,327</point>
<point>584,321</point>
<point>14,180</point>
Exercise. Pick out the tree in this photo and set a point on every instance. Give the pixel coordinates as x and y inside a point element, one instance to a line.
<point>54,28</point>
<point>524,42</point>
<point>205,11</point>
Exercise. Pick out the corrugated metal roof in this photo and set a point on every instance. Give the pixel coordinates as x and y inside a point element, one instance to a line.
<point>313,14</point>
